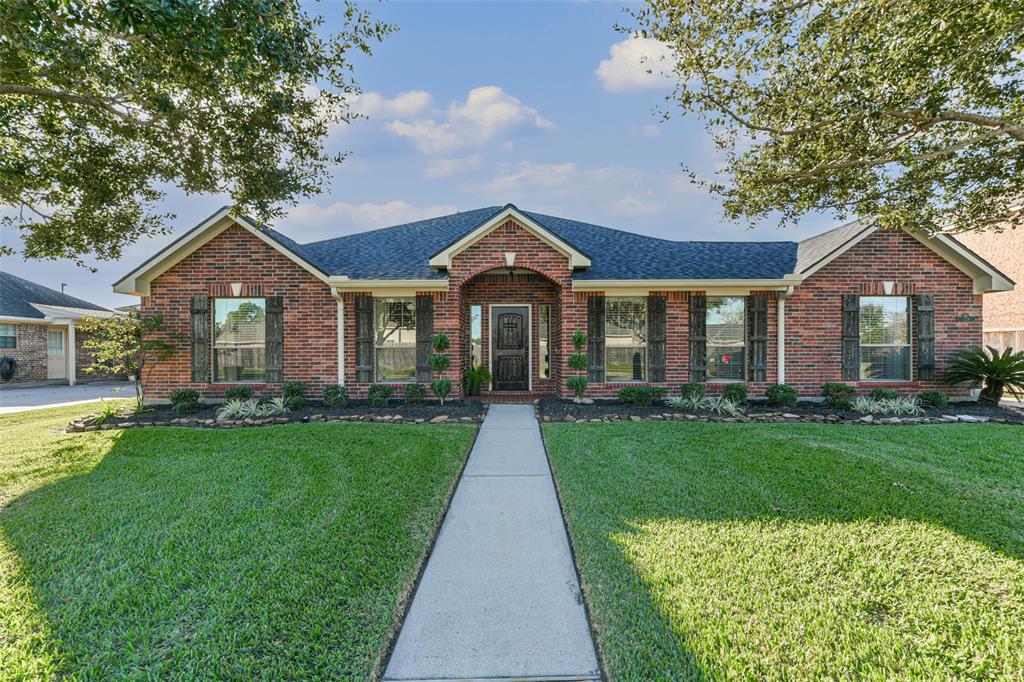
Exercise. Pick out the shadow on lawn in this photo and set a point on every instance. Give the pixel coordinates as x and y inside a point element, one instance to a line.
<point>195,554</point>
<point>813,550</point>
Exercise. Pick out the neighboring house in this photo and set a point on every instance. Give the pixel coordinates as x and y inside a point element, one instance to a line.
<point>510,287</point>
<point>37,330</point>
<point>1002,312</point>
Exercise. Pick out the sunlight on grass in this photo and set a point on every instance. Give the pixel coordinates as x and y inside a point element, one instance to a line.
<point>810,600</point>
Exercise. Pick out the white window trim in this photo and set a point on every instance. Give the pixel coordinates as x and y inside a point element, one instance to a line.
<point>213,343</point>
<point>708,379</point>
<point>376,365</point>
<point>625,382</point>
<point>909,344</point>
<point>15,326</point>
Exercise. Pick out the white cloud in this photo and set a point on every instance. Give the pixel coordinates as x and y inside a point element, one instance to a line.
<point>445,168</point>
<point>403,105</point>
<point>525,176</point>
<point>309,222</point>
<point>636,64</point>
<point>488,114</point>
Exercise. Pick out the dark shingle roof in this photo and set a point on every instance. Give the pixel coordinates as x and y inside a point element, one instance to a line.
<point>402,252</point>
<point>16,295</point>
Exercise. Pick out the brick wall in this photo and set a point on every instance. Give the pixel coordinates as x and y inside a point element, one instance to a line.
<point>235,256</point>
<point>814,311</point>
<point>1002,312</point>
<point>30,353</point>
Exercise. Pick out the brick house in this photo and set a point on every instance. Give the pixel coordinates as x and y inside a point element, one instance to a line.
<point>1002,312</point>
<point>37,332</point>
<point>509,288</point>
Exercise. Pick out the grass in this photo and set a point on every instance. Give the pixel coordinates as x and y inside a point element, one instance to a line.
<point>272,553</point>
<point>798,552</point>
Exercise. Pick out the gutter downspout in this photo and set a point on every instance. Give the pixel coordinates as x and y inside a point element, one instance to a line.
<point>780,328</point>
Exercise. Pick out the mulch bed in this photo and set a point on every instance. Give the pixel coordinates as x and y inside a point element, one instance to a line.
<point>614,410</point>
<point>469,411</point>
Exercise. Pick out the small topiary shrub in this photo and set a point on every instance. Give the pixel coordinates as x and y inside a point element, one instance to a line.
<point>884,394</point>
<point>934,399</point>
<point>781,395</point>
<point>335,395</point>
<point>736,393</point>
<point>415,394</point>
<point>578,362</point>
<point>838,396</point>
<point>242,393</point>
<point>641,396</point>
<point>439,362</point>
<point>379,395</point>
<point>185,400</point>
<point>693,390</point>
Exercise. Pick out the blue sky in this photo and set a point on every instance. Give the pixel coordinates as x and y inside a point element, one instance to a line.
<point>473,104</point>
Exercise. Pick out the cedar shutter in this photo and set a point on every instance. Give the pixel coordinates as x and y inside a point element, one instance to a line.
<point>364,339</point>
<point>595,338</point>
<point>275,339</point>
<point>199,309</point>
<point>656,333</point>
<point>925,337</point>
<point>698,338</point>
<point>851,337</point>
<point>757,337</point>
<point>424,336</point>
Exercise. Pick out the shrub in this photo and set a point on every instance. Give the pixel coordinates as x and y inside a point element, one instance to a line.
<point>934,399</point>
<point>108,411</point>
<point>476,376</point>
<point>717,405</point>
<point>685,402</point>
<point>379,394</point>
<point>884,394</point>
<point>276,406</point>
<point>185,400</point>
<point>997,372</point>
<point>578,362</point>
<point>242,393</point>
<point>692,390</point>
<point>335,395</point>
<point>578,385</point>
<point>642,396</point>
<point>294,393</point>
<point>439,362</point>
<point>781,395</point>
<point>415,394</point>
<point>252,409</point>
<point>897,405</point>
<point>838,395</point>
<point>737,393</point>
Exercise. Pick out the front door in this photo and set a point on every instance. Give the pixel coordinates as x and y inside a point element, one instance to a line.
<point>56,356</point>
<point>510,339</point>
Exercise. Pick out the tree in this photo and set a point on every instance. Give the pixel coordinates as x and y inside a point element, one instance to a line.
<point>910,111</point>
<point>577,383</point>
<point>124,344</point>
<point>996,372</point>
<point>102,103</point>
<point>439,363</point>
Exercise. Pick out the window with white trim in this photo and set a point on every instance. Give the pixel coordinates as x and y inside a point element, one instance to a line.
<point>8,336</point>
<point>476,335</point>
<point>239,340</point>
<point>726,330</point>
<point>544,342</point>
<point>54,342</point>
<point>395,339</point>
<point>885,352</point>
<point>625,338</point>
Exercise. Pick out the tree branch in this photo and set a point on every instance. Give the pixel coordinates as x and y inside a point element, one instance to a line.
<point>98,103</point>
<point>997,124</point>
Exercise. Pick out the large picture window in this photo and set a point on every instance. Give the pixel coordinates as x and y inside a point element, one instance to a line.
<point>395,339</point>
<point>8,336</point>
<point>726,329</point>
<point>885,338</point>
<point>625,339</point>
<point>239,340</point>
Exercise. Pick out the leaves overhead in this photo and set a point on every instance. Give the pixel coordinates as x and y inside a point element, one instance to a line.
<point>908,110</point>
<point>104,103</point>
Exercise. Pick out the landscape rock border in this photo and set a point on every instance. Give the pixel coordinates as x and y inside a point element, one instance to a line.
<point>83,425</point>
<point>784,417</point>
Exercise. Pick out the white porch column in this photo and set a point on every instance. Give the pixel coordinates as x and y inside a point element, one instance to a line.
<point>70,350</point>
<point>780,327</point>
<point>341,341</point>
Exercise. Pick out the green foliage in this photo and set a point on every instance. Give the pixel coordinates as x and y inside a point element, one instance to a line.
<point>907,111</point>
<point>185,400</point>
<point>252,409</point>
<point>475,377</point>
<point>335,395</point>
<point>441,343</point>
<point>379,394</point>
<point>415,394</point>
<point>736,393</point>
<point>578,385</point>
<point>692,390</point>
<point>781,395</point>
<point>109,410</point>
<point>241,392</point>
<point>126,344</point>
<point>578,362</point>
<point>641,396</point>
<point>897,405</point>
<point>579,340</point>
<point>102,104</point>
<point>294,393</point>
<point>442,388</point>
<point>997,372</point>
<point>883,394</point>
<point>700,403</point>
<point>838,396</point>
<point>934,399</point>
<point>439,363</point>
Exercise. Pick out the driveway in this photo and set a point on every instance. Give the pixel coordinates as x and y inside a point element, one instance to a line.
<point>38,397</point>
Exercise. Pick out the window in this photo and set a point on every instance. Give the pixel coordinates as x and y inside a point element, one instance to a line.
<point>395,339</point>
<point>625,339</point>
<point>726,327</point>
<point>885,338</point>
<point>476,335</point>
<point>54,342</point>
<point>8,336</point>
<point>239,340</point>
<point>545,335</point>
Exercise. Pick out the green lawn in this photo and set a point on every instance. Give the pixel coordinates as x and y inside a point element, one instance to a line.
<point>271,553</point>
<point>799,552</point>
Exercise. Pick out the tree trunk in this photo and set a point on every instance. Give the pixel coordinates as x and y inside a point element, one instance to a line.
<point>991,394</point>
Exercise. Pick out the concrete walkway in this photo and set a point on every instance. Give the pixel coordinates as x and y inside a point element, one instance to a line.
<point>499,597</point>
